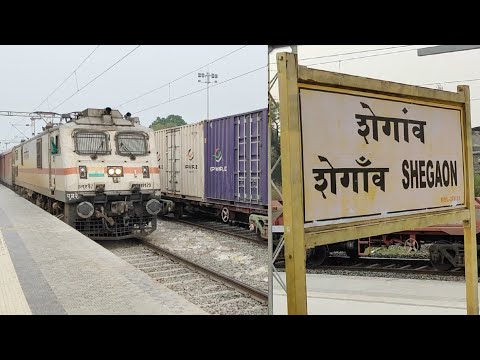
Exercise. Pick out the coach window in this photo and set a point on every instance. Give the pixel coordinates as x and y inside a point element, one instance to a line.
<point>39,153</point>
<point>21,155</point>
<point>16,155</point>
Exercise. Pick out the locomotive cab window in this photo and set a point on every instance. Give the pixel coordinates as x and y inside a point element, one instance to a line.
<point>132,143</point>
<point>91,142</point>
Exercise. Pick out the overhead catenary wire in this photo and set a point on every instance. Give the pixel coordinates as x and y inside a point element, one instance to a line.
<point>68,77</point>
<point>103,72</point>
<point>388,53</point>
<point>395,52</point>
<point>452,81</point>
<point>382,54</point>
<point>80,89</point>
<point>203,89</point>
<point>362,57</point>
<point>200,90</point>
<point>355,52</point>
<point>63,82</point>
<point>181,77</point>
<point>20,131</point>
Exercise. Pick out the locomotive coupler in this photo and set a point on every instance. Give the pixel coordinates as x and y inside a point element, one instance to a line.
<point>101,214</point>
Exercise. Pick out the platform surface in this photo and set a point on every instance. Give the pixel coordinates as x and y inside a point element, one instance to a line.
<point>359,295</point>
<point>47,267</point>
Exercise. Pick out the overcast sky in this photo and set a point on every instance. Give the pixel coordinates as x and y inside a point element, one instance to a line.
<point>401,65</point>
<point>30,73</point>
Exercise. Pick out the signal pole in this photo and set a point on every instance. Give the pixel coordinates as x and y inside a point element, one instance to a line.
<point>205,78</point>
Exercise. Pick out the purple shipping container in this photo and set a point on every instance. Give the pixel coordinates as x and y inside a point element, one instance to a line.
<point>236,154</point>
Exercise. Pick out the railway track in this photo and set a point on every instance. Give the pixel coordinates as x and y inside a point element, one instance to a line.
<point>209,224</point>
<point>211,290</point>
<point>385,265</point>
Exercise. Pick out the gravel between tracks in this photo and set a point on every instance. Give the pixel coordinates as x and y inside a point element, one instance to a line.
<point>385,274</point>
<point>238,258</point>
<point>211,295</point>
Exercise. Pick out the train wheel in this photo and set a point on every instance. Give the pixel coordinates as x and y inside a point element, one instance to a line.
<point>178,213</point>
<point>411,245</point>
<point>438,260</point>
<point>352,249</point>
<point>259,232</point>
<point>225,215</point>
<point>308,254</point>
<point>318,255</point>
<point>352,254</point>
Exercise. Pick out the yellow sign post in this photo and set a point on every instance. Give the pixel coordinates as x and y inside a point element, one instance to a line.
<point>364,157</point>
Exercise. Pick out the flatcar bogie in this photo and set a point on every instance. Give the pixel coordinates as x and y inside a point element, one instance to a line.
<point>445,255</point>
<point>216,167</point>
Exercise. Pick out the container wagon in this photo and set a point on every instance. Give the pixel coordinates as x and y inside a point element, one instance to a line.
<point>216,166</point>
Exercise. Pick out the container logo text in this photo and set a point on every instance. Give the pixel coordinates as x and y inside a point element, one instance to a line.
<point>218,168</point>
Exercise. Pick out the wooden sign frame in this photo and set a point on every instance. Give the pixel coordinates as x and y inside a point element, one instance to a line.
<point>298,237</point>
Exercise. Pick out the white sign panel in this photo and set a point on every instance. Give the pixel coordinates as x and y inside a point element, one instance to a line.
<point>365,156</point>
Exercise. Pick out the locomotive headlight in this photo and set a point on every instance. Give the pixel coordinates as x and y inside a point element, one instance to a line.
<point>146,171</point>
<point>115,171</point>
<point>83,172</point>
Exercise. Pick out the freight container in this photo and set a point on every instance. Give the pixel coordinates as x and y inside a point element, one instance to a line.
<point>236,154</point>
<point>180,156</point>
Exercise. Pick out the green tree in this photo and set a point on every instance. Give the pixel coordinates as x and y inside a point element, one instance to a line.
<point>168,122</point>
<point>275,134</point>
<point>477,184</point>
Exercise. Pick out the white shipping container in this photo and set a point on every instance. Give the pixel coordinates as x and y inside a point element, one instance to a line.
<point>180,154</point>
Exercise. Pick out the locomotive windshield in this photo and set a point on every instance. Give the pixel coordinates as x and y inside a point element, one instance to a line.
<point>91,142</point>
<point>132,143</point>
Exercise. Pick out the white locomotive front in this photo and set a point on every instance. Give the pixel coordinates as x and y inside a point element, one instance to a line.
<point>98,172</point>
